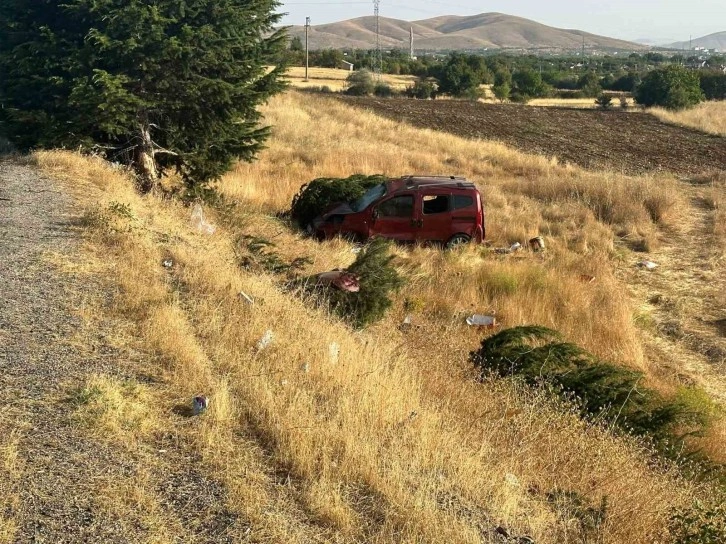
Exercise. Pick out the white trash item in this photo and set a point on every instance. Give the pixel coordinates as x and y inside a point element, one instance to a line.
<point>199,223</point>
<point>265,341</point>
<point>648,265</point>
<point>478,320</point>
<point>333,352</point>
<point>244,296</point>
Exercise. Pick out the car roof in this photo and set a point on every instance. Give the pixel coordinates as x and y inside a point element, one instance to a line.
<point>417,182</point>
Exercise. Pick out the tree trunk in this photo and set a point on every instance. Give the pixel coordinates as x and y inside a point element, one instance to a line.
<point>145,161</point>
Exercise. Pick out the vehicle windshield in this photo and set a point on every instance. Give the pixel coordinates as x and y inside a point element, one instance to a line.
<point>371,195</point>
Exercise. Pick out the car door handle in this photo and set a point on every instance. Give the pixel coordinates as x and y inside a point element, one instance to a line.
<point>416,222</point>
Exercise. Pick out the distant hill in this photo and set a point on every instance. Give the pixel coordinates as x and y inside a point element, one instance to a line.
<point>712,41</point>
<point>450,32</point>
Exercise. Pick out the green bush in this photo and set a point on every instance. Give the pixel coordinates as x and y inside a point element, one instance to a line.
<point>383,90</point>
<point>673,87</point>
<point>600,389</point>
<point>378,280</point>
<point>604,101</point>
<point>502,92</point>
<point>318,195</point>
<point>713,84</point>
<point>360,83</point>
<point>463,74</point>
<point>590,85</point>
<point>528,84</point>
<point>422,90</point>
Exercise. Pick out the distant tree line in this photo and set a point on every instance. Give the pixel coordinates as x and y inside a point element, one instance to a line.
<point>520,78</point>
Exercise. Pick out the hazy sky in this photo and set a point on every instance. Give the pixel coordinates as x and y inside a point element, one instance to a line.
<point>626,19</point>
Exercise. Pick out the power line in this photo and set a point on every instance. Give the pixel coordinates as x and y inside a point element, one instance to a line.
<point>379,55</point>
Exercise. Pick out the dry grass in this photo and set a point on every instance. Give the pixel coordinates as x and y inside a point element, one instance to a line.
<point>579,103</point>
<point>709,117</point>
<point>10,474</point>
<point>334,78</point>
<point>525,196</point>
<point>392,442</point>
<point>115,409</point>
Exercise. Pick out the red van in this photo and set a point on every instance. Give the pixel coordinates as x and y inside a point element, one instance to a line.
<point>412,209</point>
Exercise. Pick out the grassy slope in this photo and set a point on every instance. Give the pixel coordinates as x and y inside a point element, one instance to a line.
<point>394,442</point>
<point>709,117</point>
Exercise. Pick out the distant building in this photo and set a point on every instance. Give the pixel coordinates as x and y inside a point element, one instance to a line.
<point>345,65</point>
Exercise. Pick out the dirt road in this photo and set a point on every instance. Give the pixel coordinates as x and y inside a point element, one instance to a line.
<point>57,482</point>
<point>630,142</point>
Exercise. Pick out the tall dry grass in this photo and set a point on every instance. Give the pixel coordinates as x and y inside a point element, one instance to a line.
<point>525,196</point>
<point>10,474</point>
<point>392,441</point>
<point>709,117</point>
<point>335,78</point>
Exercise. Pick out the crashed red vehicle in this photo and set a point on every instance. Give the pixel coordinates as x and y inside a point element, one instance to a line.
<point>412,209</point>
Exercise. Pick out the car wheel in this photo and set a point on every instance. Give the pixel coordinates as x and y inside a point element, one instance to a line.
<point>458,240</point>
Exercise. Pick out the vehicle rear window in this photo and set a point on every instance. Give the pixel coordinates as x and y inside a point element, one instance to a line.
<point>435,204</point>
<point>462,201</point>
<point>398,206</point>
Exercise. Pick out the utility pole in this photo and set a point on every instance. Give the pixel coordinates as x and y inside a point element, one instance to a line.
<point>411,44</point>
<point>307,26</point>
<point>379,56</point>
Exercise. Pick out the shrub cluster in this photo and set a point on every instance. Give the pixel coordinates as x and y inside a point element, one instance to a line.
<point>378,280</point>
<point>600,389</point>
<point>360,83</point>
<point>318,195</point>
<point>422,89</point>
<point>673,87</point>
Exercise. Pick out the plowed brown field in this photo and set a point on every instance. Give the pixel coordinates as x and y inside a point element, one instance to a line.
<point>630,142</point>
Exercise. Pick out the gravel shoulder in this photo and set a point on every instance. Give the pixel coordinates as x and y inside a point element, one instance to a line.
<point>65,485</point>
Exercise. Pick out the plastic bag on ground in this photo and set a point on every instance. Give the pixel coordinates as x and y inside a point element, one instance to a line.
<point>199,223</point>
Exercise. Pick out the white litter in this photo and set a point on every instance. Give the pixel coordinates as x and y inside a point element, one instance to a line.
<point>511,479</point>
<point>167,263</point>
<point>333,353</point>
<point>265,341</point>
<point>516,246</point>
<point>244,296</point>
<point>648,265</point>
<point>478,320</point>
<point>199,223</point>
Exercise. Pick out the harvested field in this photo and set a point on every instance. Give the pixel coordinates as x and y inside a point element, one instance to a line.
<point>613,140</point>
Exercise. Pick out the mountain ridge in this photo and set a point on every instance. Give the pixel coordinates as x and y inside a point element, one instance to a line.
<point>717,40</point>
<point>448,32</point>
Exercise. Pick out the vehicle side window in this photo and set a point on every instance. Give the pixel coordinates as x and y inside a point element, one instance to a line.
<point>435,204</point>
<point>462,201</point>
<point>398,206</point>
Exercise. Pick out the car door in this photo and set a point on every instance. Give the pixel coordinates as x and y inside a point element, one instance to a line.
<point>433,216</point>
<point>394,218</point>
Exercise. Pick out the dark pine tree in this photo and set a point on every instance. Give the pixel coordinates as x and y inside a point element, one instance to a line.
<point>156,83</point>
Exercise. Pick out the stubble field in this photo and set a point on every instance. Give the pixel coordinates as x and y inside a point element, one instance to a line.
<point>611,140</point>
